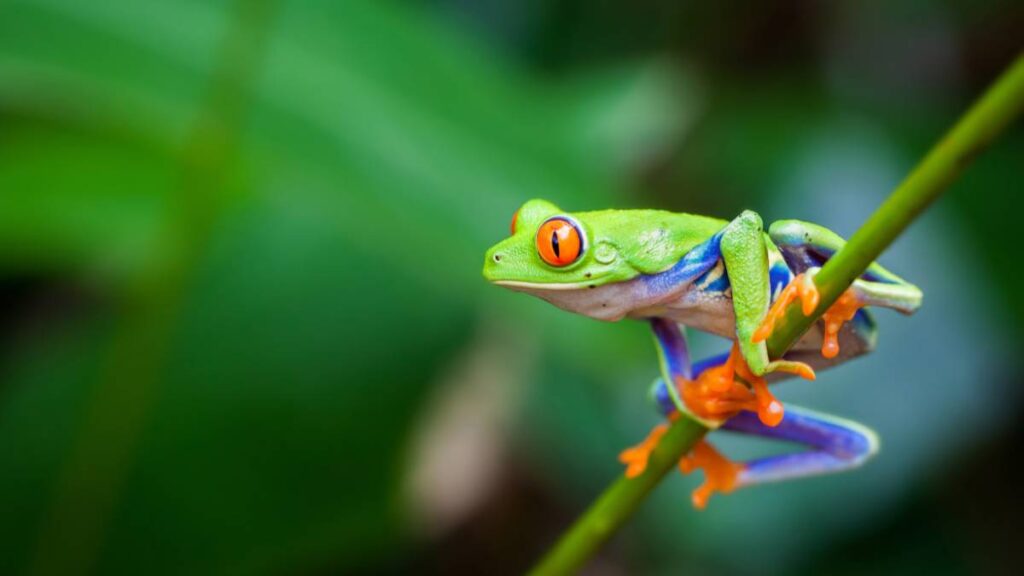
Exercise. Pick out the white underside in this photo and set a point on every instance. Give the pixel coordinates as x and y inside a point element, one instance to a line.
<point>707,311</point>
<point>688,305</point>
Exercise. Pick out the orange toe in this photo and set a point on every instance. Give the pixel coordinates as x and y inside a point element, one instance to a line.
<point>720,474</point>
<point>636,458</point>
<point>802,287</point>
<point>809,295</point>
<point>769,410</point>
<point>838,314</point>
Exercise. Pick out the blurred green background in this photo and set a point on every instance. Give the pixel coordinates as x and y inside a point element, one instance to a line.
<point>243,326</point>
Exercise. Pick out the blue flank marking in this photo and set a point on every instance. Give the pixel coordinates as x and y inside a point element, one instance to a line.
<point>721,284</point>
<point>778,277</point>
<point>696,262</point>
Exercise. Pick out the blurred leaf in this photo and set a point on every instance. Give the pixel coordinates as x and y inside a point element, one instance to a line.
<point>45,384</point>
<point>379,158</point>
<point>279,434</point>
<point>78,198</point>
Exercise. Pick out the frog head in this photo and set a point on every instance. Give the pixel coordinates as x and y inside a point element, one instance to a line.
<point>583,261</point>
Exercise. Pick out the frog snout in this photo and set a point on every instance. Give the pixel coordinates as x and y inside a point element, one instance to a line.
<point>492,262</point>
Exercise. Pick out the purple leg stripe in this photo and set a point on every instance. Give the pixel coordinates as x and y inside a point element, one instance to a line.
<point>835,445</point>
<point>673,347</point>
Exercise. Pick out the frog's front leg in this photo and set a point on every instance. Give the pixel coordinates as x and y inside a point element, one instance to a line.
<point>745,253</point>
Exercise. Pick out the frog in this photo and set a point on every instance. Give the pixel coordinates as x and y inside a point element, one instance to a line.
<point>730,278</point>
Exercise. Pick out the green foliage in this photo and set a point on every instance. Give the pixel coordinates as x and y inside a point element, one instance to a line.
<point>354,158</point>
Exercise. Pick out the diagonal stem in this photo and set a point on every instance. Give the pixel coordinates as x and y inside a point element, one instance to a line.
<point>996,109</point>
<point>1000,105</point>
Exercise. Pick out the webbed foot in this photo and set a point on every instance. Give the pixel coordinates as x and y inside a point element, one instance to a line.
<point>720,474</point>
<point>802,287</point>
<point>717,395</point>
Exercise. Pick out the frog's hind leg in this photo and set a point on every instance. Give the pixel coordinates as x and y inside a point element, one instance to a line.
<point>834,445</point>
<point>807,246</point>
<point>710,400</point>
<point>674,358</point>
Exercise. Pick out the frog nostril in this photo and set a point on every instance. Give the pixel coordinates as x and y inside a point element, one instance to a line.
<point>497,257</point>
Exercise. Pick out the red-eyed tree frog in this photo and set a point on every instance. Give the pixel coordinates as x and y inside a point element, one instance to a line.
<point>732,279</point>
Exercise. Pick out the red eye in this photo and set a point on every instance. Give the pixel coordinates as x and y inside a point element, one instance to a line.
<point>515,220</point>
<point>559,242</point>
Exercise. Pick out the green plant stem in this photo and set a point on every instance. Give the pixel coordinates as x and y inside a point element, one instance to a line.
<point>996,109</point>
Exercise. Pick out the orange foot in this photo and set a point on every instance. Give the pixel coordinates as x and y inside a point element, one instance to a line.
<point>636,458</point>
<point>720,475</point>
<point>716,394</point>
<point>802,287</point>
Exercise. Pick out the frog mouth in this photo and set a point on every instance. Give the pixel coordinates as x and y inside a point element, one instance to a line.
<point>518,285</point>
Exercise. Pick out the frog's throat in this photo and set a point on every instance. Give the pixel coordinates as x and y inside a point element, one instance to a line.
<point>609,302</point>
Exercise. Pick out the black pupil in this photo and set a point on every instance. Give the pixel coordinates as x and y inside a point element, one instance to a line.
<point>554,244</point>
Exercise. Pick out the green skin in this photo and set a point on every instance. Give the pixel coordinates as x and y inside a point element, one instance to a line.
<point>622,247</point>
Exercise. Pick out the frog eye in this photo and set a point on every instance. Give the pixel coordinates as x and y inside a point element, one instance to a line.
<point>560,241</point>
<point>515,220</point>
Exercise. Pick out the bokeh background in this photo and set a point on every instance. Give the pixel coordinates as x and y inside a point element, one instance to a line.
<point>243,328</point>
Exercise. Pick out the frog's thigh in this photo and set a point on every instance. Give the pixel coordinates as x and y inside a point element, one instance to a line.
<point>791,235</point>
